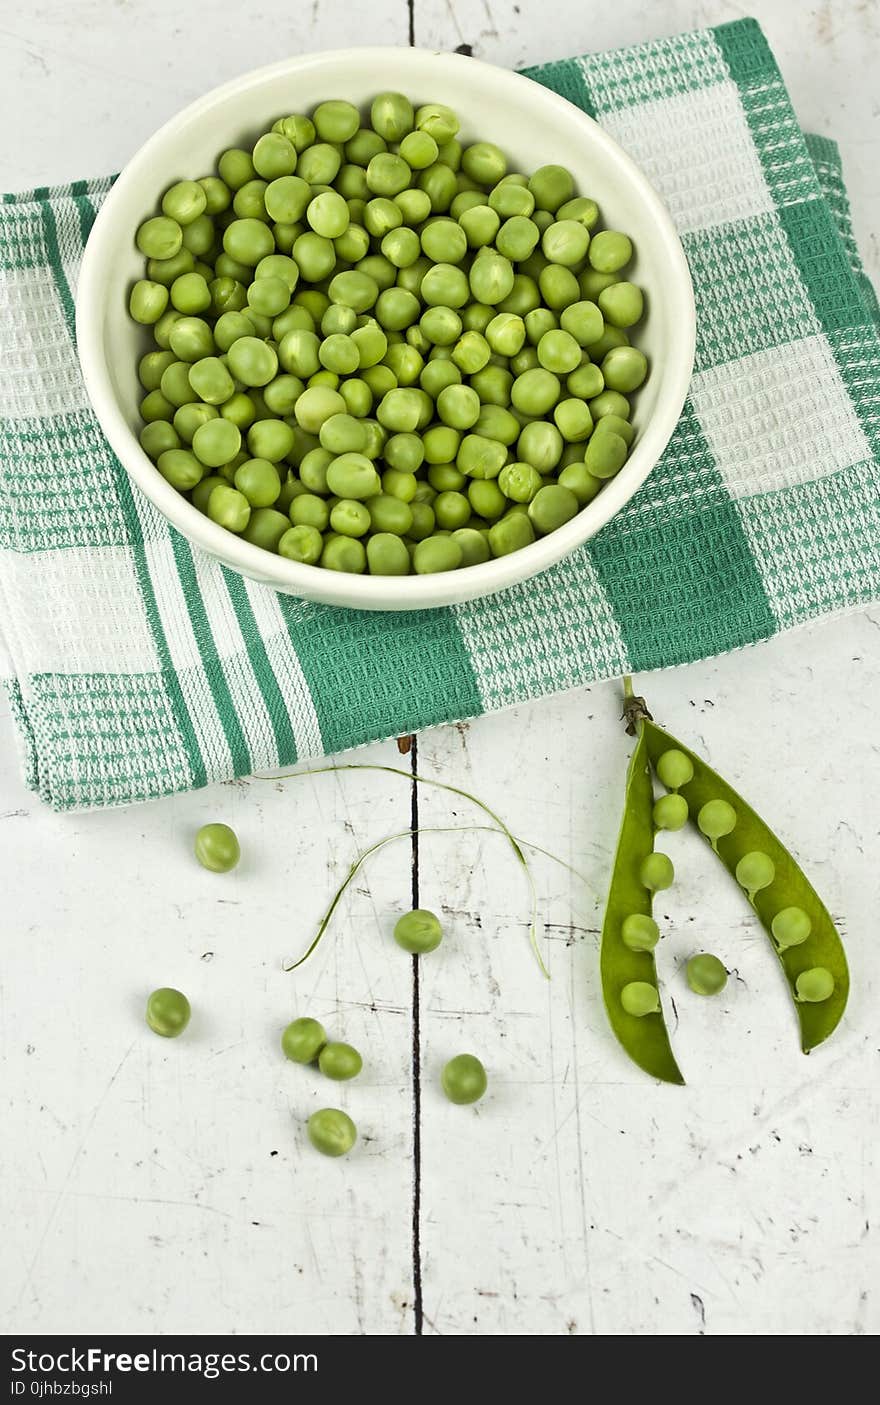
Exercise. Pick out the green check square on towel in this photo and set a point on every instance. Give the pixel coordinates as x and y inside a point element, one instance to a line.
<point>136,666</point>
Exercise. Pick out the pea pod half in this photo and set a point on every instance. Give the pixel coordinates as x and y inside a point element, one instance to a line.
<point>783,887</point>
<point>644,1037</point>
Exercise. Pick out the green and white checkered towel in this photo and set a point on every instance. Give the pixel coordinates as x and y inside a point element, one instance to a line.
<point>137,666</point>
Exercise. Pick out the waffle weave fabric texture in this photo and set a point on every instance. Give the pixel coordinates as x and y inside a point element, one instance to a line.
<point>137,666</point>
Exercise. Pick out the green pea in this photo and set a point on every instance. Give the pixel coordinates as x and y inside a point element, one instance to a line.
<point>565,242</point>
<point>240,409</point>
<point>675,769</point>
<point>247,241</point>
<point>310,510</point>
<point>415,205</point>
<point>510,534</point>
<point>558,286</point>
<point>814,985</point>
<point>282,393</point>
<point>303,1040</point>
<point>583,321</point>
<point>586,382</point>
<point>639,932</point>
<point>217,847</point>
<point>387,174</point>
<point>624,368</point>
<point>168,1012</point>
<point>218,196</point>
<point>435,554</point>
<point>791,927</point>
<point>236,168</point>
<point>473,545</point>
<point>316,404</point>
<point>656,872</point>
<point>260,482</point>
<point>580,481</point>
<point>551,507</point>
<point>538,322</point>
<point>706,975</point>
<point>396,309</point>
<point>485,499</point>
<point>716,819</point>
<point>387,555</point>
<point>298,129</point>
<point>484,162</point>
<point>302,544</point>
<point>229,508</point>
<point>319,163</point>
<point>202,491</point>
<point>180,468</point>
<point>670,812</point>
<point>350,518</point>
<point>605,454</point>
<point>551,186</point>
<point>339,1061</point>
<point>216,442</point>
<point>147,301</point>
<point>535,392</point>
<point>622,304</point>
<point>464,1079</point>
<point>352,475</point>
<point>189,418</point>
<point>191,338</point>
<point>520,482</point>
<point>165,271</point>
<point>418,932</point>
<point>573,420</point>
<point>512,197</point>
<point>157,437</point>
<point>491,277</point>
<point>755,871</point>
<point>211,381</point>
<point>331,1131</point>
<point>616,425</point>
<point>418,150</point>
<point>159,237</point>
<point>266,528</point>
<point>336,120</point>
<point>640,998</point>
<point>444,285</point>
<point>493,385</point>
<point>345,554</point>
<point>610,251</point>
<point>558,352</point>
<point>392,116</point>
<point>446,478</point>
<point>479,457</point>
<point>252,361</point>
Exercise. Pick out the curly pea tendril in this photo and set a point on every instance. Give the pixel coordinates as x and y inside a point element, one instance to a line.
<point>802,933</point>
<point>412,932</point>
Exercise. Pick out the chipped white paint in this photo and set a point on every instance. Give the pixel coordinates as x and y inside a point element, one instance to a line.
<point>168,1188</point>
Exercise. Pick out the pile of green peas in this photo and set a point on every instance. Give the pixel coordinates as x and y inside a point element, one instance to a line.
<point>379,350</point>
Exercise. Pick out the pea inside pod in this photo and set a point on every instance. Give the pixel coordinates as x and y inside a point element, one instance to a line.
<point>799,925</point>
<point>628,970</point>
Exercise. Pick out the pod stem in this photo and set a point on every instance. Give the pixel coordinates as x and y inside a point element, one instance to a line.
<point>635,709</point>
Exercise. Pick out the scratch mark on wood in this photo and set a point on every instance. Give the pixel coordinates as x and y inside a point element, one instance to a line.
<point>418,1321</point>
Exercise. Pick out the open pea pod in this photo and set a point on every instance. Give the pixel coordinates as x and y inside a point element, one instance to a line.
<point>789,888</point>
<point>644,1038</point>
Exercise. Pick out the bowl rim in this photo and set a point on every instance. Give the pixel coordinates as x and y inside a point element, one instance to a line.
<point>382,592</point>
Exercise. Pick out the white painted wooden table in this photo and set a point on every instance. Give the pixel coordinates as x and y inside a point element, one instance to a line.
<point>148,1187</point>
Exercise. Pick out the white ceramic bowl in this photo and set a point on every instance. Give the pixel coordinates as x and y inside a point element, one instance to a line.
<point>533,126</point>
